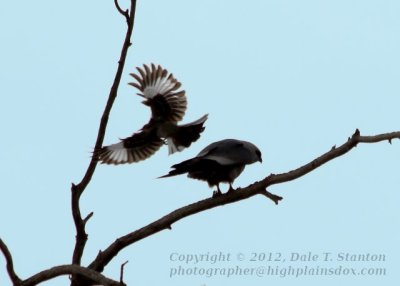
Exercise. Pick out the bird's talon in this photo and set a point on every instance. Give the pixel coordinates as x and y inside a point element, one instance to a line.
<point>216,194</point>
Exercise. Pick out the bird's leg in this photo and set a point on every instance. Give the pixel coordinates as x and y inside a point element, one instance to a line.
<point>217,193</point>
<point>231,189</point>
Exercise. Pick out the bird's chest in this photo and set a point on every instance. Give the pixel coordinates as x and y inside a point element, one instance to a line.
<point>235,172</point>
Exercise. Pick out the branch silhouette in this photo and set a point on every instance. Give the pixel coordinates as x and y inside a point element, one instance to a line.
<point>122,12</point>
<point>56,271</point>
<point>92,273</point>
<point>9,263</point>
<point>71,269</point>
<point>257,188</point>
<point>78,189</point>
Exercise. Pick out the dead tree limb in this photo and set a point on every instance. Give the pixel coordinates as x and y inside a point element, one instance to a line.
<point>122,12</point>
<point>78,189</point>
<point>70,269</point>
<point>9,263</point>
<point>92,273</point>
<point>257,188</point>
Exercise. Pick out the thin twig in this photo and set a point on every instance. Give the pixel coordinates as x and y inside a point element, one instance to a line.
<point>89,216</point>
<point>104,257</point>
<point>276,199</point>
<point>121,277</point>
<point>122,12</point>
<point>9,262</point>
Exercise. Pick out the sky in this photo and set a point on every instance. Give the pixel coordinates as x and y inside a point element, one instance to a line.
<point>293,77</point>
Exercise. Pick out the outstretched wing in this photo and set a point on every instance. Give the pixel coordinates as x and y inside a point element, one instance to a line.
<point>161,92</point>
<point>138,147</point>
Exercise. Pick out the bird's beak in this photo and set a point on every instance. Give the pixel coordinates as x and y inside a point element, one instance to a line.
<point>260,160</point>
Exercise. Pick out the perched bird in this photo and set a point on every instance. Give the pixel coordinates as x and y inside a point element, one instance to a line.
<point>168,105</point>
<point>219,162</point>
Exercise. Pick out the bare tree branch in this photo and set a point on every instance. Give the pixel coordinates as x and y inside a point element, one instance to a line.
<point>70,269</point>
<point>257,188</point>
<point>77,190</point>
<point>89,216</point>
<point>332,154</point>
<point>122,12</point>
<point>276,199</point>
<point>121,277</point>
<point>9,262</point>
<point>92,273</point>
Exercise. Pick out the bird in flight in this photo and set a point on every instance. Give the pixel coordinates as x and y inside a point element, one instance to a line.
<point>219,162</point>
<point>161,92</point>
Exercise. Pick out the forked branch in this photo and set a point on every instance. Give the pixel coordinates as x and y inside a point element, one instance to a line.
<point>122,12</point>
<point>78,189</point>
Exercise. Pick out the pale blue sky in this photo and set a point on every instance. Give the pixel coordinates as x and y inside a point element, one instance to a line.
<point>293,77</point>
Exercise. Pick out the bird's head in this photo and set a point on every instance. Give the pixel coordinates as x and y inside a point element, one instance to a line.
<point>249,153</point>
<point>253,153</point>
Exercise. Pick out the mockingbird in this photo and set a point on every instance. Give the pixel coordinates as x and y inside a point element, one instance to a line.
<point>168,105</point>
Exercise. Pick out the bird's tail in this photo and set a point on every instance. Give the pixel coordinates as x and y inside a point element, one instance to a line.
<point>180,168</point>
<point>185,135</point>
<point>172,173</point>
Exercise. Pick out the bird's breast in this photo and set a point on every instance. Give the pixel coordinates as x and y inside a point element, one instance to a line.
<point>235,172</point>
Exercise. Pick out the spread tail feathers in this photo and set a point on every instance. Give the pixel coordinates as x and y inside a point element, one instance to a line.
<point>186,134</point>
